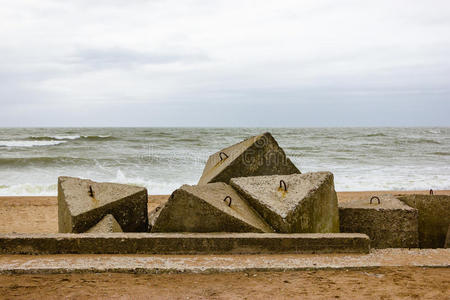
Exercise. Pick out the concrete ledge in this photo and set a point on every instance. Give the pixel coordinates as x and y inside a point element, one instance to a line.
<point>157,264</point>
<point>183,243</point>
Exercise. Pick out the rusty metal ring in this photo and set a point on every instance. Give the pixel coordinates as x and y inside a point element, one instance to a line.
<point>220,155</point>
<point>91,192</point>
<point>282,183</point>
<point>375,197</point>
<point>431,192</point>
<point>228,197</point>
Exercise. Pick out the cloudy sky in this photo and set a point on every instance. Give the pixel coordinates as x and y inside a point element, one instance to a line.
<point>225,63</point>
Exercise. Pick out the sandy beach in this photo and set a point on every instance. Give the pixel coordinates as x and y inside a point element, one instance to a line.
<point>39,215</point>
<point>378,283</point>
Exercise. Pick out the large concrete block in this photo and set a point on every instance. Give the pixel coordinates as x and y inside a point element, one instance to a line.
<point>106,225</point>
<point>258,155</point>
<point>206,208</point>
<point>83,203</point>
<point>309,203</point>
<point>434,218</point>
<point>389,224</point>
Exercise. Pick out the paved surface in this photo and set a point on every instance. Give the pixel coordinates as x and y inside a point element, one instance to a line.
<point>220,263</point>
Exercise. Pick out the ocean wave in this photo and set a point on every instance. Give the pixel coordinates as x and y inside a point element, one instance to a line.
<point>29,189</point>
<point>29,143</point>
<point>43,161</point>
<point>375,134</point>
<point>416,141</point>
<point>69,137</point>
<point>54,137</point>
<point>441,153</point>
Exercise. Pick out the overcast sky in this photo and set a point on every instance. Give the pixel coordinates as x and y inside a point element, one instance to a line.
<point>225,63</point>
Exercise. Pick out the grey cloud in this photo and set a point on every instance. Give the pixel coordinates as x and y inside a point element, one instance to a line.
<point>119,57</point>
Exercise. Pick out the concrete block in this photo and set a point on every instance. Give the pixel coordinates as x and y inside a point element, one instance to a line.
<point>201,208</point>
<point>258,155</point>
<point>83,203</point>
<point>434,218</point>
<point>309,203</point>
<point>390,224</point>
<point>106,225</point>
<point>184,243</point>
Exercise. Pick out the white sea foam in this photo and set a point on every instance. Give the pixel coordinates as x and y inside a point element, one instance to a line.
<point>65,137</point>
<point>29,143</point>
<point>29,189</point>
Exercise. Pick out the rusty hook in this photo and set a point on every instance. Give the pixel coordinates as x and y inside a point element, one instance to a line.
<point>375,197</point>
<point>220,155</point>
<point>91,192</point>
<point>228,197</point>
<point>282,183</point>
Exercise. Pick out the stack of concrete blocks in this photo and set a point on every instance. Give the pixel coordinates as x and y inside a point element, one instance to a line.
<point>434,218</point>
<point>389,222</point>
<point>88,206</point>
<point>252,203</point>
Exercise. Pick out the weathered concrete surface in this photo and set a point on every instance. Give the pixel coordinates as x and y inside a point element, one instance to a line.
<point>390,224</point>
<point>434,218</point>
<point>447,239</point>
<point>201,208</point>
<point>156,264</point>
<point>78,210</point>
<point>258,155</point>
<point>309,205</point>
<point>183,243</point>
<point>106,225</point>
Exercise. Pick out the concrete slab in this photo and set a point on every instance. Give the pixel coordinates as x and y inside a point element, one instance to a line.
<point>258,155</point>
<point>106,225</point>
<point>389,224</point>
<point>83,203</point>
<point>182,243</point>
<point>157,264</point>
<point>207,208</point>
<point>434,218</point>
<point>309,203</point>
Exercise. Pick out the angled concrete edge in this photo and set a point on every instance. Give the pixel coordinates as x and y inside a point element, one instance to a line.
<point>184,243</point>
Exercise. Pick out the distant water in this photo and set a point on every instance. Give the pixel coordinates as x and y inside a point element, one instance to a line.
<point>162,159</point>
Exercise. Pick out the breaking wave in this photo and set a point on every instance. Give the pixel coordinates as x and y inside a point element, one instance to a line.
<point>71,137</point>
<point>29,143</point>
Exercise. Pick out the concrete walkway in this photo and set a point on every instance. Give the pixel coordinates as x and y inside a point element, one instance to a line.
<point>220,263</point>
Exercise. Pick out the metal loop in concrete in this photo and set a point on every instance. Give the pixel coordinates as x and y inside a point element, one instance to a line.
<point>223,153</point>
<point>376,198</point>
<point>91,192</point>
<point>228,197</point>
<point>283,184</point>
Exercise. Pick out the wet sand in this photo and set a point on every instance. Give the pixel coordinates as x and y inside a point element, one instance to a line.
<point>25,214</point>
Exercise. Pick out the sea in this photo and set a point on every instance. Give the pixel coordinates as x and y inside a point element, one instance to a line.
<point>163,159</point>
